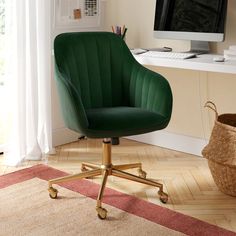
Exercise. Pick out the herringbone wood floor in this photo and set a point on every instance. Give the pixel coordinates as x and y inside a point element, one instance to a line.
<point>186,178</point>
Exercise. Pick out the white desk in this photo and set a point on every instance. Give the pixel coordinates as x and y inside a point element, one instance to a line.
<point>202,63</point>
<point>200,81</point>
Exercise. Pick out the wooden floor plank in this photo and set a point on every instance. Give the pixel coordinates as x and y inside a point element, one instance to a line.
<point>186,178</point>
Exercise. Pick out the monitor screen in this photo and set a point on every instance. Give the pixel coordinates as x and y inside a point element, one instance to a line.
<point>202,20</point>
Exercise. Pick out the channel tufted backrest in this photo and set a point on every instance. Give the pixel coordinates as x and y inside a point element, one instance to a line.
<point>92,68</point>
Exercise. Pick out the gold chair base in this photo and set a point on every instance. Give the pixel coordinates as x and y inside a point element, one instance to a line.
<point>90,170</point>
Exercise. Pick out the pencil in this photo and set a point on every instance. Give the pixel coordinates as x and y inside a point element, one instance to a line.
<point>112,29</point>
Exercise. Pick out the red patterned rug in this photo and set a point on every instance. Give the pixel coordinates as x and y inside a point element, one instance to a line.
<point>26,209</point>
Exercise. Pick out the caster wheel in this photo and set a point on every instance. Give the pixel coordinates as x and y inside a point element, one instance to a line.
<point>142,173</point>
<point>102,213</point>
<point>163,197</point>
<point>52,192</point>
<point>83,169</point>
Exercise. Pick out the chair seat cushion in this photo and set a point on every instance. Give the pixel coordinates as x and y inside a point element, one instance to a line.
<point>122,121</point>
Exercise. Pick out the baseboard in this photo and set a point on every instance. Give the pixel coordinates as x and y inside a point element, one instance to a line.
<point>164,139</point>
<point>172,141</point>
<point>62,136</point>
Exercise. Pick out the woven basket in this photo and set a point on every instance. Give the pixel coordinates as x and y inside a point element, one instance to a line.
<point>221,151</point>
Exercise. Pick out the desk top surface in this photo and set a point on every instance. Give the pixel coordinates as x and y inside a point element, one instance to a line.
<point>202,63</point>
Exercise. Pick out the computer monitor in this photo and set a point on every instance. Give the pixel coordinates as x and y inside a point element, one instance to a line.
<point>200,21</point>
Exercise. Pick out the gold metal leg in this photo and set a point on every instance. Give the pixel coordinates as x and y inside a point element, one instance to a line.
<point>90,173</point>
<point>53,192</point>
<point>124,175</point>
<point>102,212</point>
<point>141,173</point>
<point>128,166</point>
<point>84,166</point>
<point>106,169</point>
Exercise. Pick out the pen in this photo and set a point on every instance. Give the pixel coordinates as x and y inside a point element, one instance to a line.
<point>118,30</point>
<point>123,36</point>
<point>123,30</point>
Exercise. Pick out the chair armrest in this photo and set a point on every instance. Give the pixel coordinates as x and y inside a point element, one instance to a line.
<point>150,90</point>
<point>72,109</point>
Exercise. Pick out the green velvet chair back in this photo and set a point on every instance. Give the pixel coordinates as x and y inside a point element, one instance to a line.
<point>96,69</point>
<point>94,64</point>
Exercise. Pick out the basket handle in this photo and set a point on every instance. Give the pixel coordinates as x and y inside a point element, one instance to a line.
<point>212,106</point>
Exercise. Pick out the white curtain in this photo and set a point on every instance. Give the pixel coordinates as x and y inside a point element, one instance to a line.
<point>28,79</point>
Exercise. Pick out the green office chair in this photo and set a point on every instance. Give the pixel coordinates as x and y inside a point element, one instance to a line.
<point>104,92</point>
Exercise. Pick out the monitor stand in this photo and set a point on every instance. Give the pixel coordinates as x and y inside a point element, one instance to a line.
<point>199,47</point>
<point>163,49</point>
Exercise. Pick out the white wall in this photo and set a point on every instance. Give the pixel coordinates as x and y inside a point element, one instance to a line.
<point>138,16</point>
<point>60,134</point>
